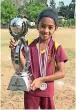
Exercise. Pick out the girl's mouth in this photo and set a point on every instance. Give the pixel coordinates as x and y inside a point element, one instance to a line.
<point>45,35</point>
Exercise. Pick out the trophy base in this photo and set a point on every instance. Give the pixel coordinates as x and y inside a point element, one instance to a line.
<point>20,82</point>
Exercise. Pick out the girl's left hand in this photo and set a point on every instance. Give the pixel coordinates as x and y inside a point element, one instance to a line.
<point>36,83</point>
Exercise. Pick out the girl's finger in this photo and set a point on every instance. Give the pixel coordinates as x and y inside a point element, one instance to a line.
<point>11,46</point>
<point>13,41</point>
<point>33,88</point>
<point>31,85</point>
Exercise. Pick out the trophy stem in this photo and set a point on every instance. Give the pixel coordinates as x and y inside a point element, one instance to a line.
<point>27,54</point>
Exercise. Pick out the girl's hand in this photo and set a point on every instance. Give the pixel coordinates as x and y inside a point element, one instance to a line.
<point>13,43</point>
<point>36,83</point>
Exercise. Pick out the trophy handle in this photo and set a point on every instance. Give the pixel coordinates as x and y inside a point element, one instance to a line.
<point>15,57</point>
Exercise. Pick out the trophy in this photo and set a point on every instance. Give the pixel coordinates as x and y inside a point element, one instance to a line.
<point>21,79</point>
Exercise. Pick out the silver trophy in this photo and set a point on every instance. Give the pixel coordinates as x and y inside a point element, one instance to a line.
<point>21,79</point>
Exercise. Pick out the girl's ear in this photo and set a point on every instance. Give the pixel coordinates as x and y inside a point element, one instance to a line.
<point>56,27</point>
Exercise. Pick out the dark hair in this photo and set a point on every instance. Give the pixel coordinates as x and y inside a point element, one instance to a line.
<point>49,12</point>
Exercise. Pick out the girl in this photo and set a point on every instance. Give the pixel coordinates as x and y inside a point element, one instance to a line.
<point>43,55</point>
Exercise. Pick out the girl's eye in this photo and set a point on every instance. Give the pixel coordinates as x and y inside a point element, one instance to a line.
<point>43,26</point>
<point>50,27</point>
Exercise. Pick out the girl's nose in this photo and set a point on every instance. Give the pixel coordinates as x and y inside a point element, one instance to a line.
<point>46,30</point>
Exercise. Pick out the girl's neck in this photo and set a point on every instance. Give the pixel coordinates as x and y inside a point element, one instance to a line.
<point>44,41</point>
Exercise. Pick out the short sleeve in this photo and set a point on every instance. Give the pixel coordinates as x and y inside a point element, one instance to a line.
<point>60,55</point>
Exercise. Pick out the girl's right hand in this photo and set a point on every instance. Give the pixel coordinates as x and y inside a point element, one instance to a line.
<point>13,43</point>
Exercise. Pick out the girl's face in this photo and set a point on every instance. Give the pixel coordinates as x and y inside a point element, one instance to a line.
<point>46,28</point>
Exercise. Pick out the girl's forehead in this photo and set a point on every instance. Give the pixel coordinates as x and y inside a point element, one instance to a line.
<point>47,20</point>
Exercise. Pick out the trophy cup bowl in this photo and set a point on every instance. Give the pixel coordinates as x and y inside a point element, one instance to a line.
<point>20,80</point>
<point>18,28</point>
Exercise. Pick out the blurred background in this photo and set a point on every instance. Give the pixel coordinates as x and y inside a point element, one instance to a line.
<point>32,8</point>
<point>65,89</point>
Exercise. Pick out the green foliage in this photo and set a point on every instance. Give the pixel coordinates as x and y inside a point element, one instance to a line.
<point>8,11</point>
<point>67,23</point>
<point>53,4</point>
<point>71,9</point>
<point>71,22</point>
<point>67,11</point>
<point>32,10</point>
<point>64,11</point>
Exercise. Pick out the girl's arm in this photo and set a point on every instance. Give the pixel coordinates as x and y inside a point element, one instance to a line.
<point>57,75</point>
